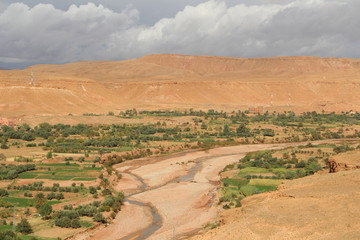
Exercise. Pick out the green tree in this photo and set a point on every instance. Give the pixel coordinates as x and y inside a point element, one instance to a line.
<point>4,146</point>
<point>45,210</point>
<point>243,131</point>
<point>226,130</point>
<point>92,190</point>
<point>3,192</point>
<point>40,200</point>
<point>49,155</point>
<point>313,167</point>
<point>24,227</point>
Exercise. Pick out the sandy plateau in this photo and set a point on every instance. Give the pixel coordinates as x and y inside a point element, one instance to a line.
<point>168,81</point>
<point>174,196</point>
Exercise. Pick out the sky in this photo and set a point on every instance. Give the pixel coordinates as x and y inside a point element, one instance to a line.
<point>58,32</point>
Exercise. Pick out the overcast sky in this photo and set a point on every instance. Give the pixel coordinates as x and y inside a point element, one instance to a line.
<point>55,32</point>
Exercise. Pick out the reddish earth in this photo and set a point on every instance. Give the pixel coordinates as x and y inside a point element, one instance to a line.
<point>177,81</point>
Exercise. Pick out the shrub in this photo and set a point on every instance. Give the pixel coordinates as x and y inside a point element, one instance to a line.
<point>64,222</point>
<point>3,192</point>
<point>106,192</point>
<point>92,190</point>
<point>8,235</point>
<point>4,146</point>
<point>313,167</point>
<point>49,155</point>
<point>75,223</point>
<point>301,164</point>
<point>99,218</point>
<point>23,159</point>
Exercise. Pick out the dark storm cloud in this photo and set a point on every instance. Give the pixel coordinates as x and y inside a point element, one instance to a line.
<point>151,11</point>
<point>56,34</point>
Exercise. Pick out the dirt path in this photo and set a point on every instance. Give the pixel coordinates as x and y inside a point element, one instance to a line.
<point>173,196</point>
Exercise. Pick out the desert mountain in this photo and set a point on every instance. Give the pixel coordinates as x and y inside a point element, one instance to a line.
<point>168,81</point>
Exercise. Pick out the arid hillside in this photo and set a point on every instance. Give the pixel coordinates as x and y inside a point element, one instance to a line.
<point>167,81</point>
<point>314,207</point>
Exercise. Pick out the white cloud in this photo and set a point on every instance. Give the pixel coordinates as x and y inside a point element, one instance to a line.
<point>94,32</point>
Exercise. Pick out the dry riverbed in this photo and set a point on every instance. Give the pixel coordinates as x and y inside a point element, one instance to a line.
<point>173,195</point>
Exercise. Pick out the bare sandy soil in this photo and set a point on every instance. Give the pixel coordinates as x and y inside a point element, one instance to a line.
<point>163,171</point>
<point>128,184</point>
<point>55,232</point>
<point>130,219</point>
<point>53,119</point>
<point>184,207</point>
<point>349,160</point>
<point>315,207</point>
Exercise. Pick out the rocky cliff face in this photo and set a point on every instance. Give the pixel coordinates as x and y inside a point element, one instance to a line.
<point>180,81</point>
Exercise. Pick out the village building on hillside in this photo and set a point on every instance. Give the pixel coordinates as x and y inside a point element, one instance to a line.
<point>6,122</point>
<point>256,109</point>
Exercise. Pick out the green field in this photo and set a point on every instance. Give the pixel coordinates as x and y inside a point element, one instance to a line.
<point>5,227</point>
<point>25,202</point>
<point>86,224</point>
<point>254,170</point>
<point>62,172</point>
<point>234,181</point>
<point>30,237</point>
<point>265,182</point>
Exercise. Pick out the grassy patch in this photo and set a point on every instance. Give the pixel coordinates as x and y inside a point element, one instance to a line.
<point>229,193</point>
<point>25,202</point>
<point>27,175</point>
<point>264,188</point>
<point>254,170</point>
<point>20,202</point>
<point>62,172</point>
<point>5,227</point>
<point>60,165</point>
<point>84,179</point>
<point>29,237</point>
<point>86,224</point>
<point>265,182</point>
<point>234,181</point>
<point>249,190</point>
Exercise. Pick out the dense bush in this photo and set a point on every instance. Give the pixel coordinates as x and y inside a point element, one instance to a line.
<point>24,227</point>
<point>8,235</point>
<point>12,171</point>
<point>23,159</point>
<point>45,210</point>
<point>3,192</point>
